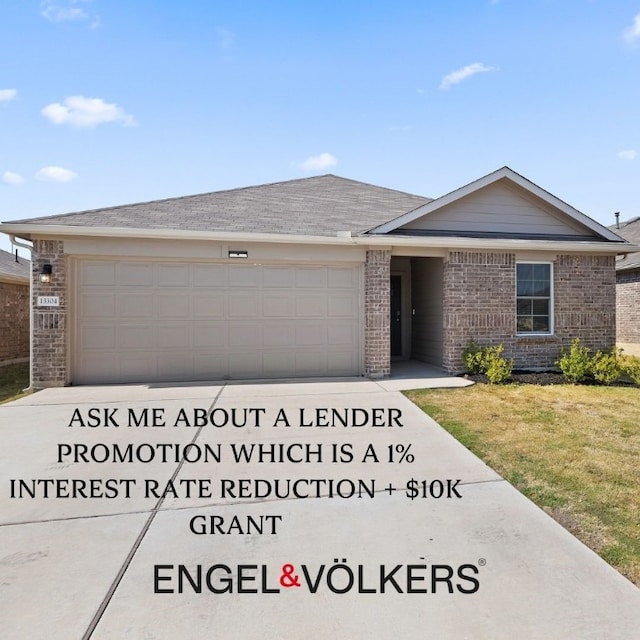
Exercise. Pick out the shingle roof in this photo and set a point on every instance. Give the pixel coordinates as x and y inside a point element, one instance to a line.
<point>15,270</point>
<point>321,205</point>
<point>629,230</point>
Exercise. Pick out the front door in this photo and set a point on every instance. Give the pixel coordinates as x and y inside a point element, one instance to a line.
<point>396,316</point>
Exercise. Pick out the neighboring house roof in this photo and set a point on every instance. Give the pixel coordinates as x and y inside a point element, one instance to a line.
<point>12,270</point>
<point>630,231</point>
<point>320,206</point>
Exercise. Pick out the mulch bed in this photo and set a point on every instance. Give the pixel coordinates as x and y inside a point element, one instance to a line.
<point>542,378</point>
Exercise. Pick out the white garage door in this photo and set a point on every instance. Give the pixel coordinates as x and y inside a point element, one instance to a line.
<point>172,321</point>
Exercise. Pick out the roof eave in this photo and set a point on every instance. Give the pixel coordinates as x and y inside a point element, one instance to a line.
<point>28,231</point>
<point>14,279</point>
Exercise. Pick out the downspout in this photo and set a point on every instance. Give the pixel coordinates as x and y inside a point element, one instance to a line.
<point>29,248</point>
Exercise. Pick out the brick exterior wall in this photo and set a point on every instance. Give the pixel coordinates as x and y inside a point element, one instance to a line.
<point>14,322</point>
<point>49,367</point>
<point>628,306</point>
<point>480,304</point>
<point>377,284</point>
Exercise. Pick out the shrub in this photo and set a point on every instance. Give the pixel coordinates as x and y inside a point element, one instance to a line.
<point>605,367</point>
<point>487,360</point>
<point>630,366</point>
<point>473,356</point>
<point>575,364</point>
<point>497,368</point>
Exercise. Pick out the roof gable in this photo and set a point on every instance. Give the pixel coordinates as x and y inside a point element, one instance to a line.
<point>501,204</point>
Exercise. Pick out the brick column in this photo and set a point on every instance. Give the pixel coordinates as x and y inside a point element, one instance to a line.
<point>377,286</point>
<point>49,366</point>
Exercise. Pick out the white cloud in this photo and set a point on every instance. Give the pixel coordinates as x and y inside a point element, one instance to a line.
<point>63,11</point>
<point>55,174</point>
<point>9,177</point>
<point>322,161</point>
<point>462,74</point>
<point>627,154</point>
<point>79,111</point>
<point>6,95</point>
<point>632,33</point>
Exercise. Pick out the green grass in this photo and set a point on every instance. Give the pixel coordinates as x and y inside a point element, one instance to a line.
<point>573,450</point>
<point>13,379</point>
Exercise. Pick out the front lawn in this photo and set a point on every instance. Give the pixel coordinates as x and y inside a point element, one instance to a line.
<point>13,379</point>
<point>574,450</point>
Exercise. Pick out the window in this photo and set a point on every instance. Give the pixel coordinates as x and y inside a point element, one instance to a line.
<point>534,297</point>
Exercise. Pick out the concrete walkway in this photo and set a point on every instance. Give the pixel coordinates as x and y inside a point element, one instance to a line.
<point>87,567</point>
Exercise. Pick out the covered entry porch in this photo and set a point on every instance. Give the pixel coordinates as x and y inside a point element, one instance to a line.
<point>416,293</point>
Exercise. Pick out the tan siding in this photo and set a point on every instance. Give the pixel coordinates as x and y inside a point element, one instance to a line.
<point>426,297</point>
<point>205,250</point>
<point>499,209</point>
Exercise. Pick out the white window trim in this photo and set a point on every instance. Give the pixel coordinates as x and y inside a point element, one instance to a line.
<point>551,300</point>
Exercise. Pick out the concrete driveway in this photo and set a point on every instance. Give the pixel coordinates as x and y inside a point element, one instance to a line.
<point>468,557</point>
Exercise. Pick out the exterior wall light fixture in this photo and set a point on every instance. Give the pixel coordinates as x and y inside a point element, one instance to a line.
<point>238,254</point>
<point>45,273</point>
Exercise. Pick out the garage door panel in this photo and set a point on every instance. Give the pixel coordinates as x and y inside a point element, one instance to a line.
<point>276,334</point>
<point>168,320</point>
<point>306,362</point>
<point>96,337</point>
<point>310,334</point>
<point>102,367</point>
<point>241,275</point>
<point>97,274</point>
<point>174,337</point>
<point>311,277</point>
<point>135,305</point>
<point>247,336</point>
<point>173,275</point>
<point>278,277</point>
<point>341,278</point>
<point>212,334</point>
<point>208,305</point>
<point>138,337</point>
<point>278,364</point>
<point>98,305</point>
<point>278,305</point>
<point>135,274</point>
<point>243,306</point>
<point>311,306</point>
<point>173,305</point>
<point>245,365</point>
<point>210,365</point>
<point>340,362</point>
<point>339,334</point>
<point>174,365</point>
<point>210,275</point>
<point>341,306</point>
<point>137,367</point>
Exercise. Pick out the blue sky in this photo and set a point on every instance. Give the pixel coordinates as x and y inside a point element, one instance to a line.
<point>106,102</point>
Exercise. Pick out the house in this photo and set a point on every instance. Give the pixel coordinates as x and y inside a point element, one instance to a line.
<point>15,276</point>
<point>628,290</point>
<point>320,276</point>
